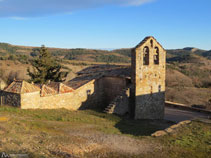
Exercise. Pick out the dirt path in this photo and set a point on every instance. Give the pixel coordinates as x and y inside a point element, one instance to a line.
<point>115,143</point>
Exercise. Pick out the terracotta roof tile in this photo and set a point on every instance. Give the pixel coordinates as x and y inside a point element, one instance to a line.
<point>60,87</point>
<point>21,87</point>
<point>64,88</point>
<point>46,91</point>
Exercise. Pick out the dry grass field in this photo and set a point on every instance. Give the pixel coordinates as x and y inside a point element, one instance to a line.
<point>91,134</point>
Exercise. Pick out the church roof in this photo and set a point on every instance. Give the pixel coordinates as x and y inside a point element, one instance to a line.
<point>98,71</point>
<point>19,87</point>
<point>84,76</point>
<point>53,88</point>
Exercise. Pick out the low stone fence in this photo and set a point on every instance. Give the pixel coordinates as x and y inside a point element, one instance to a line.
<point>185,107</point>
<point>171,129</point>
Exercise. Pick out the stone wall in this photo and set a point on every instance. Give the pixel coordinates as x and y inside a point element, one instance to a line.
<point>122,103</point>
<point>30,100</point>
<point>87,96</point>
<point>150,106</point>
<point>148,78</point>
<point>96,93</point>
<point>112,87</point>
<point>11,99</point>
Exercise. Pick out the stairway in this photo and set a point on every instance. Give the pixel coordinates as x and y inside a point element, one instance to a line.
<point>110,109</point>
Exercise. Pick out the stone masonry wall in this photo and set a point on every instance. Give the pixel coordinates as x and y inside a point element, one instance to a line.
<point>96,93</point>
<point>113,86</point>
<point>11,99</point>
<point>84,97</point>
<point>122,104</point>
<point>30,100</point>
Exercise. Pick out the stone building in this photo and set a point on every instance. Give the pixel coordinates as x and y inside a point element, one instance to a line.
<point>148,79</point>
<point>15,92</point>
<point>138,90</point>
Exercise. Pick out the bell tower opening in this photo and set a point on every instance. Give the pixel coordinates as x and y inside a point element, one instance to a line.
<point>146,56</point>
<point>156,56</point>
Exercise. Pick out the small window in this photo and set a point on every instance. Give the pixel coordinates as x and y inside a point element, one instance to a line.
<point>146,56</point>
<point>156,56</point>
<point>151,42</point>
<point>159,88</point>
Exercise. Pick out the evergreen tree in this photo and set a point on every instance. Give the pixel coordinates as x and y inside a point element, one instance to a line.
<point>45,68</point>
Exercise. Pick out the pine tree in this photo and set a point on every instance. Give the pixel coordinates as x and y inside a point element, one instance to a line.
<point>46,69</point>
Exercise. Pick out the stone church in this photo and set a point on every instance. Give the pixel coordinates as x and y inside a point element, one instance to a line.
<point>137,90</point>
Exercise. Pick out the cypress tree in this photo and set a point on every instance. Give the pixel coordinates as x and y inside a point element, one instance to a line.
<point>46,69</point>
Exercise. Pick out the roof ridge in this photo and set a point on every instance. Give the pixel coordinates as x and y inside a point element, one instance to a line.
<point>146,39</point>
<point>49,87</point>
<point>54,85</point>
<point>66,86</point>
<point>10,85</point>
<point>45,90</point>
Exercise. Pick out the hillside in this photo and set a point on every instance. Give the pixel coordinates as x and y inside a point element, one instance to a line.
<point>188,70</point>
<point>22,53</point>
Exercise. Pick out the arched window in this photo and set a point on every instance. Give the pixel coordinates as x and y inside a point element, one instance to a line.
<point>156,56</point>
<point>146,56</point>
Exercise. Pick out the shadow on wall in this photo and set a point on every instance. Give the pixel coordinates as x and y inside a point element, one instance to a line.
<point>150,106</point>
<point>95,97</point>
<point>11,99</point>
<point>103,92</point>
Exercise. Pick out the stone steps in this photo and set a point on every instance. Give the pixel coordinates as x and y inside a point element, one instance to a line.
<point>110,108</point>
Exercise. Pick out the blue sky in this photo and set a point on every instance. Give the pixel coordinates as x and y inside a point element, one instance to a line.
<point>105,23</point>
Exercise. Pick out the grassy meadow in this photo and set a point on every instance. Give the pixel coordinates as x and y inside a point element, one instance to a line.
<point>91,134</point>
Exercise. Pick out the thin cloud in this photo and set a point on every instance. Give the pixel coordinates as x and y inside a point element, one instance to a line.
<point>138,2</point>
<point>36,8</point>
<point>18,18</point>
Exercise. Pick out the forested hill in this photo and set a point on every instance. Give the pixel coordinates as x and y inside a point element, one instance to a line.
<point>23,53</point>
